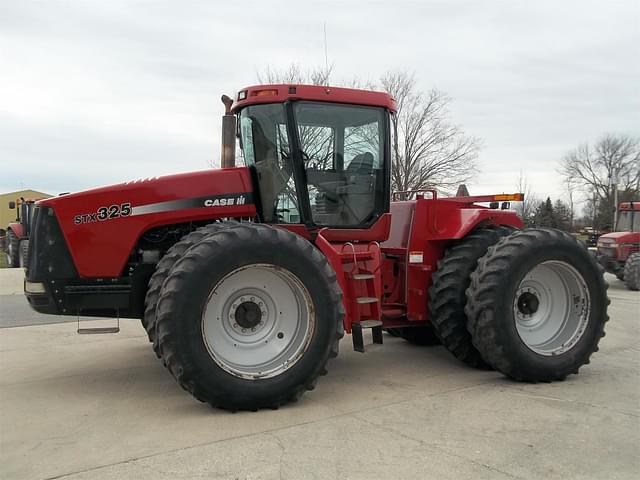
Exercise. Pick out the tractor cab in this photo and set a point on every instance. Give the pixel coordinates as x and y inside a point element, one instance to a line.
<point>628,217</point>
<point>323,161</point>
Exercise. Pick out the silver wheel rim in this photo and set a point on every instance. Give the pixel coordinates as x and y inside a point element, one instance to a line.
<point>258,321</point>
<point>551,308</point>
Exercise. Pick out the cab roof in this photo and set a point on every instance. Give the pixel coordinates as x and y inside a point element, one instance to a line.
<point>280,93</point>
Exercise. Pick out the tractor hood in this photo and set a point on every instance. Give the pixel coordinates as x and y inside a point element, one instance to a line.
<point>152,190</point>
<point>619,237</point>
<point>111,219</point>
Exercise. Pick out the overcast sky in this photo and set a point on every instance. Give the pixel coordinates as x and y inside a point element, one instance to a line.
<point>98,92</point>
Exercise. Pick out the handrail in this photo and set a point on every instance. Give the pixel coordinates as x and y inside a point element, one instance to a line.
<point>353,249</point>
<point>432,191</point>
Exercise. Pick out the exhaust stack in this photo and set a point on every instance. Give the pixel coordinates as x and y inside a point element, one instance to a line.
<point>228,153</point>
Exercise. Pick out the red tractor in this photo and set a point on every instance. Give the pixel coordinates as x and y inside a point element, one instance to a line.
<point>619,251</point>
<point>16,239</point>
<point>246,278</point>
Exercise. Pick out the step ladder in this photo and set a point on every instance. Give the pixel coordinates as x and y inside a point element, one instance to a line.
<point>365,308</point>
<point>99,330</point>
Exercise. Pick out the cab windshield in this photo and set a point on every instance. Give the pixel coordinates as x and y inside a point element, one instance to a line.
<point>265,148</point>
<point>628,221</point>
<point>340,162</point>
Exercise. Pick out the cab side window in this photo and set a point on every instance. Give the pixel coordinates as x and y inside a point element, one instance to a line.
<point>342,151</point>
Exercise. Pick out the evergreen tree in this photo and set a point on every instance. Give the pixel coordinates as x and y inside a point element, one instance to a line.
<point>562,216</point>
<point>544,216</point>
<point>553,215</point>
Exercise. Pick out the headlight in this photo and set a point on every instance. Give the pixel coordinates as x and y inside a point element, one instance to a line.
<point>607,244</point>
<point>34,287</point>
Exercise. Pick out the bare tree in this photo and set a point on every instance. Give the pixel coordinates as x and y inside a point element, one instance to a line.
<point>296,75</point>
<point>570,188</point>
<point>428,151</point>
<point>612,163</point>
<point>317,141</point>
<point>527,208</point>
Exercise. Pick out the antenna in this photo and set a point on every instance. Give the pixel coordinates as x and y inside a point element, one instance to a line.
<point>326,56</point>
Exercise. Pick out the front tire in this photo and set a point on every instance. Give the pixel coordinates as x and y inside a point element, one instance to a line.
<point>537,305</point>
<point>162,271</point>
<point>632,272</point>
<point>248,318</point>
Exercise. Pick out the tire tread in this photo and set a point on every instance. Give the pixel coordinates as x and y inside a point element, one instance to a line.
<point>447,297</point>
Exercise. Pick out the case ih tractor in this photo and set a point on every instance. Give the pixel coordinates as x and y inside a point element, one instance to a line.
<point>619,251</point>
<point>246,278</point>
<point>16,239</point>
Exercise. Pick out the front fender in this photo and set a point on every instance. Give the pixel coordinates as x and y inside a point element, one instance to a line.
<point>17,229</point>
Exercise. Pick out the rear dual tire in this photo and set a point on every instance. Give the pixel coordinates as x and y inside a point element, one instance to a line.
<point>537,305</point>
<point>215,344</point>
<point>447,295</point>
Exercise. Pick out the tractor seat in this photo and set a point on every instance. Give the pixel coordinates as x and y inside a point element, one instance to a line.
<point>361,165</point>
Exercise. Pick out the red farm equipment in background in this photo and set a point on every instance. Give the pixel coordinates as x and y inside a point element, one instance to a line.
<point>619,252</point>
<point>16,238</point>
<point>246,278</point>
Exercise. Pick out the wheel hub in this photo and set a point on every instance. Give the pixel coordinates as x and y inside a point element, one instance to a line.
<point>528,303</point>
<point>258,321</point>
<point>551,308</point>
<point>248,314</point>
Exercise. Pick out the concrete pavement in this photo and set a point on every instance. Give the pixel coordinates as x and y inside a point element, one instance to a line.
<point>93,407</point>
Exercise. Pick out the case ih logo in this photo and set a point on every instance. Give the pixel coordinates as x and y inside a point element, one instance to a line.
<point>225,202</point>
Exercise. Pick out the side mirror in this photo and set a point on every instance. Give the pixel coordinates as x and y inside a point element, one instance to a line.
<point>12,205</point>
